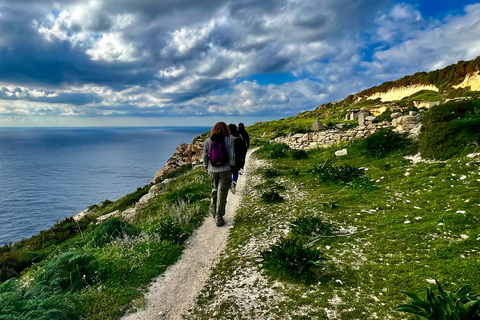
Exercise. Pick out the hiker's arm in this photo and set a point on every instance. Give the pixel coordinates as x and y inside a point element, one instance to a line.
<point>231,154</point>
<point>206,148</point>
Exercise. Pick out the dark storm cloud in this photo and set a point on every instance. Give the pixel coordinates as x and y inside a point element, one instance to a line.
<point>170,57</point>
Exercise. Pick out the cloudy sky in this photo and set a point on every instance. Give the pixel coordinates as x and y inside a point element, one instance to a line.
<point>191,62</point>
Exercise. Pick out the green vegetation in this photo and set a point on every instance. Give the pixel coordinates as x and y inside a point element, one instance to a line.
<point>459,305</point>
<point>85,270</point>
<point>290,260</point>
<point>380,224</point>
<point>450,129</point>
<point>318,237</point>
<point>383,142</point>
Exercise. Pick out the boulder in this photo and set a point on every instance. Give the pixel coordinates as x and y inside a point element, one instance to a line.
<point>317,125</point>
<point>341,153</point>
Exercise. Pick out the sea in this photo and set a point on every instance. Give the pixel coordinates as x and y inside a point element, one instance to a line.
<point>48,174</point>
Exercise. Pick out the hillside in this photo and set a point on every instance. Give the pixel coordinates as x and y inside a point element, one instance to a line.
<point>327,228</point>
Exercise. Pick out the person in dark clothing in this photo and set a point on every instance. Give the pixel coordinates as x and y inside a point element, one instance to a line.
<point>240,151</point>
<point>220,172</point>
<point>246,139</point>
<point>244,133</point>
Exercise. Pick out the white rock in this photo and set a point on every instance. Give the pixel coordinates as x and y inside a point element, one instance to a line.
<point>342,152</point>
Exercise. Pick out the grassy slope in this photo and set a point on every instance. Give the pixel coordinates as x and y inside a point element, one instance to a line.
<point>99,273</point>
<point>420,223</point>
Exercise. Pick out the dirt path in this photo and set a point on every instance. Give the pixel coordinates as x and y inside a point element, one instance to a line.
<point>173,293</point>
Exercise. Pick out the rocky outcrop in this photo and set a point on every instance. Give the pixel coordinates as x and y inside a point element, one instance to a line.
<point>400,92</point>
<point>185,154</point>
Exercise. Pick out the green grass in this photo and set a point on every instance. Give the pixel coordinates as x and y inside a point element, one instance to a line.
<point>419,222</point>
<point>95,271</point>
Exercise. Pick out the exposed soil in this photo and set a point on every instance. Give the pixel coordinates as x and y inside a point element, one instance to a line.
<point>174,292</point>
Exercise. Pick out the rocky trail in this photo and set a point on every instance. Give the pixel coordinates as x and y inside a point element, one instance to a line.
<point>173,293</point>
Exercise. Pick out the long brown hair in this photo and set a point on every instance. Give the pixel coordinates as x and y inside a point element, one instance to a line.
<point>220,128</point>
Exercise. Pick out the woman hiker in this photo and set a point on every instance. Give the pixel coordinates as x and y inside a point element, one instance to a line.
<point>218,159</point>
<point>240,150</point>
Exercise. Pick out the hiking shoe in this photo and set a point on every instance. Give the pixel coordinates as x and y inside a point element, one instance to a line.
<point>219,221</point>
<point>233,187</point>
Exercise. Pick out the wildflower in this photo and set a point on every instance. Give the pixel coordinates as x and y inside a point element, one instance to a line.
<point>461,211</point>
<point>407,222</point>
<point>463,177</point>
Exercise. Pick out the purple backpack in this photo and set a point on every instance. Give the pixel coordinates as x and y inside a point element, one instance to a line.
<point>218,153</point>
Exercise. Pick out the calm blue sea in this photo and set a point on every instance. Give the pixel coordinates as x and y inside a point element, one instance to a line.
<point>49,174</point>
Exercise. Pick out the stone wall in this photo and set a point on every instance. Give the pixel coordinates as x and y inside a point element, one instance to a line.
<point>408,123</point>
<point>329,137</point>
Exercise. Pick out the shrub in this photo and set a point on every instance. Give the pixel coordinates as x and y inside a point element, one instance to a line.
<point>34,303</point>
<point>362,183</point>
<point>298,154</point>
<point>335,174</point>
<point>448,129</point>
<point>70,271</point>
<point>295,171</point>
<point>270,173</point>
<point>290,260</point>
<point>307,226</point>
<point>60,232</point>
<point>274,150</point>
<point>459,305</point>
<point>171,231</point>
<point>383,142</point>
<point>271,197</point>
<point>331,204</point>
<point>108,231</point>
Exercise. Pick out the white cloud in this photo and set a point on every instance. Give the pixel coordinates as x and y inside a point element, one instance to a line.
<point>435,46</point>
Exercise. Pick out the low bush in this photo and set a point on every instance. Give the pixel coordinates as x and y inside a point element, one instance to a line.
<point>171,231</point>
<point>70,271</point>
<point>274,150</point>
<point>290,260</point>
<point>345,173</point>
<point>462,304</point>
<point>306,227</point>
<point>270,173</point>
<point>383,142</point>
<point>108,231</point>
<point>298,154</point>
<point>295,171</point>
<point>271,197</point>
<point>447,130</point>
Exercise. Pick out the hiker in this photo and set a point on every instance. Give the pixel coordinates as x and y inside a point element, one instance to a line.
<point>240,151</point>
<point>218,158</point>
<point>246,139</point>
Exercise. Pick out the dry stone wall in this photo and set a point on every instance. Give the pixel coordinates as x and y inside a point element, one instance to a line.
<point>408,123</point>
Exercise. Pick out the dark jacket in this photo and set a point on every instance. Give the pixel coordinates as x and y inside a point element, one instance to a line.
<point>245,136</point>
<point>240,150</point>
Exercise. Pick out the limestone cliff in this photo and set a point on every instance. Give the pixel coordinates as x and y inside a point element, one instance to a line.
<point>184,155</point>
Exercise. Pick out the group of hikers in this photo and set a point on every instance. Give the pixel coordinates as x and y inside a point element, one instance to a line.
<point>224,155</point>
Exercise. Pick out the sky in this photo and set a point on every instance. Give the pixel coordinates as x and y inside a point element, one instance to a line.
<point>192,63</point>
